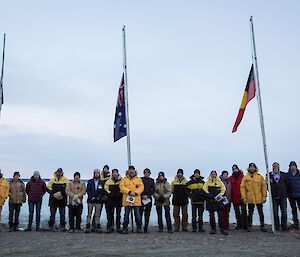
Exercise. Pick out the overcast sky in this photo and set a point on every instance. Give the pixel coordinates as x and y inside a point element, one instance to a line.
<point>188,63</point>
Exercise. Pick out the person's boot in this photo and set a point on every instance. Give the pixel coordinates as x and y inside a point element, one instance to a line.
<point>28,229</point>
<point>225,232</point>
<point>262,228</point>
<point>109,230</point>
<point>212,231</point>
<point>145,230</point>
<point>88,228</point>
<point>139,229</point>
<point>201,226</point>
<point>194,228</point>
<point>125,230</point>
<point>98,229</point>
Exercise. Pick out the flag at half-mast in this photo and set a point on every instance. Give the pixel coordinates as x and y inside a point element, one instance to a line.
<point>1,78</point>
<point>249,94</point>
<point>120,123</point>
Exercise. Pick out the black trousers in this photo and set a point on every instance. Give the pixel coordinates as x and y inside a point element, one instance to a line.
<point>212,220</point>
<point>159,209</point>
<point>146,211</point>
<point>260,213</point>
<point>197,211</point>
<point>75,212</point>
<point>14,213</point>
<point>293,203</point>
<point>240,215</point>
<point>111,209</point>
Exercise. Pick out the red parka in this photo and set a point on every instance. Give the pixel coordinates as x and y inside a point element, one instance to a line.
<point>236,196</point>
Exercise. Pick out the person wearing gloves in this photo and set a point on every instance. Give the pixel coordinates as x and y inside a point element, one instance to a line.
<point>95,191</point>
<point>293,189</point>
<point>254,193</point>
<point>180,200</point>
<point>35,189</point>
<point>4,192</point>
<point>17,196</point>
<point>197,195</point>
<point>215,190</point>
<point>132,187</point>
<point>75,191</point>
<point>162,194</point>
<point>147,196</point>
<point>56,187</point>
<point>114,202</point>
<point>240,208</point>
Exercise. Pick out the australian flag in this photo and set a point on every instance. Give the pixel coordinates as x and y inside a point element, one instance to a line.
<point>120,126</point>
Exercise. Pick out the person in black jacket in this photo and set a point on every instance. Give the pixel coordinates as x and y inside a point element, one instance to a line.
<point>149,188</point>
<point>278,183</point>
<point>197,195</point>
<point>95,191</point>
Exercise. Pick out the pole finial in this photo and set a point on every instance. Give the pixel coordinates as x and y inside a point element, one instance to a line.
<point>123,27</point>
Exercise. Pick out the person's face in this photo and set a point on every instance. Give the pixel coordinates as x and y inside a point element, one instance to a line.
<point>213,175</point>
<point>76,178</point>
<point>16,177</point>
<point>275,167</point>
<point>161,178</point>
<point>115,174</point>
<point>36,177</point>
<point>146,173</point>
<point>131,173</point>
<point>235,170</point>
<point>58,174</point>
<point>179,175</point>
<point>293,167</point>
<point>225,175</point>
<point>252,168</point>
<point>97,175</point>
<point>197,175</point>
<point>106,170</point>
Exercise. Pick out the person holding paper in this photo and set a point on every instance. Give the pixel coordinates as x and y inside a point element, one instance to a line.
<point>162,196</point>
<point>225,179</point>
<point>112,187</point>
<point>197,195</point>
<point>215,190</point>
<point>147,197</point>
<point>132,187</point>
<point>254,193</point>
<point>180,200</point>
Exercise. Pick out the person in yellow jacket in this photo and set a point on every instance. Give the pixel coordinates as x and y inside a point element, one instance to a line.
<point>215,189</point>
<point>180,200</point>
<point>4,191</point>
<point>132,186</point>
<point>254,192</point>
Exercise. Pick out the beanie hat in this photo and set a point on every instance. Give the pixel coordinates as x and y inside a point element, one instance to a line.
<point>36,173</point>
<point>293,163</point>
<point>76,174</point>
<point>180,171</point>
<point>252,164</point>
<point>60,170</point>
<point>16,173</point>
<point>97,171</point>
<point>197,171</point>
<point>161,174</point>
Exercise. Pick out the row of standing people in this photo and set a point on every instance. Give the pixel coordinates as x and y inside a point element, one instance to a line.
<point>113,192</point>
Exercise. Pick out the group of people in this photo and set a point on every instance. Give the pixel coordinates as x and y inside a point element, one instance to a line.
<point>137,194</point>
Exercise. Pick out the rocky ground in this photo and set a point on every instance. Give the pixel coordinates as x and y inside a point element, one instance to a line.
<point>238,243</point>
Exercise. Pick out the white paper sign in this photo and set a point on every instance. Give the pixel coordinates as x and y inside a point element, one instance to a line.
<point>219,197</point>
<point>225,200</point>
<point>130,199</point>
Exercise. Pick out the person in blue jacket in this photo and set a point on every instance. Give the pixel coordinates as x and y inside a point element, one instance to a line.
<point>95,191</point>
<point>293,188</point>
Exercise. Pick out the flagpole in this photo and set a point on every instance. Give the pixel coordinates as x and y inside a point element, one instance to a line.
<point>2,72</point>
<point>126,97</point>
<point>261,117</point>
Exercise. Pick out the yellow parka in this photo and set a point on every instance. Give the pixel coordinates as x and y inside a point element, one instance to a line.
<point>135,185</point>
<point>214,183</point>
<point>4,190</point>
<point>253,188</point>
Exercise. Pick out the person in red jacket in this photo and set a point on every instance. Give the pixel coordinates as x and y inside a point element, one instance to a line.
<point>35,189</point>
<point>236,198</point>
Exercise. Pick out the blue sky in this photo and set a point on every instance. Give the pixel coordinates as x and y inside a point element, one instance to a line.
<point>188,63</point>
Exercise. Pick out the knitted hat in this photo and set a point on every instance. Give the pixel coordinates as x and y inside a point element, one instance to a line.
<point>197,171</point>
<point>16,173</point>
<point>36,173</point>
<point>180,171</point>
<point>76,174</point>
<point>293,163</point>
<point>161,174</point>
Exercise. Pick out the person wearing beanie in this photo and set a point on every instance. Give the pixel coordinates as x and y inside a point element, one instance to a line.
<point>180,201</point>
<point>17,196</point>
<point>114,202</point>
<point>56,188</point>
<point>278,184</point>
<point>4,192</point>
<point>214,188</point>
<point>147,194</point>
<point>226,181</point>
<point>95,191</point>
<point>75,191</point>
<point>293,190</point>
<point>254,193</point>
<point>197,195</point>
<point>240,209</point>
<point>35,190</point>
<point>104,176</point>
<point>162,194</point>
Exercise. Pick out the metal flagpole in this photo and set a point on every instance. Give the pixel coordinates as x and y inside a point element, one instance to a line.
<point>2,73</point>
<point>127,109</point>
<point>261,117</point>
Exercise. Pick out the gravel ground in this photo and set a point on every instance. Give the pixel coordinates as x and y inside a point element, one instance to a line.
<point>238,243</point>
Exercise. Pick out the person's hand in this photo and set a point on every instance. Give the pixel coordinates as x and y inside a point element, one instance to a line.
<point>132,193</point>
<point>245,201</point>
